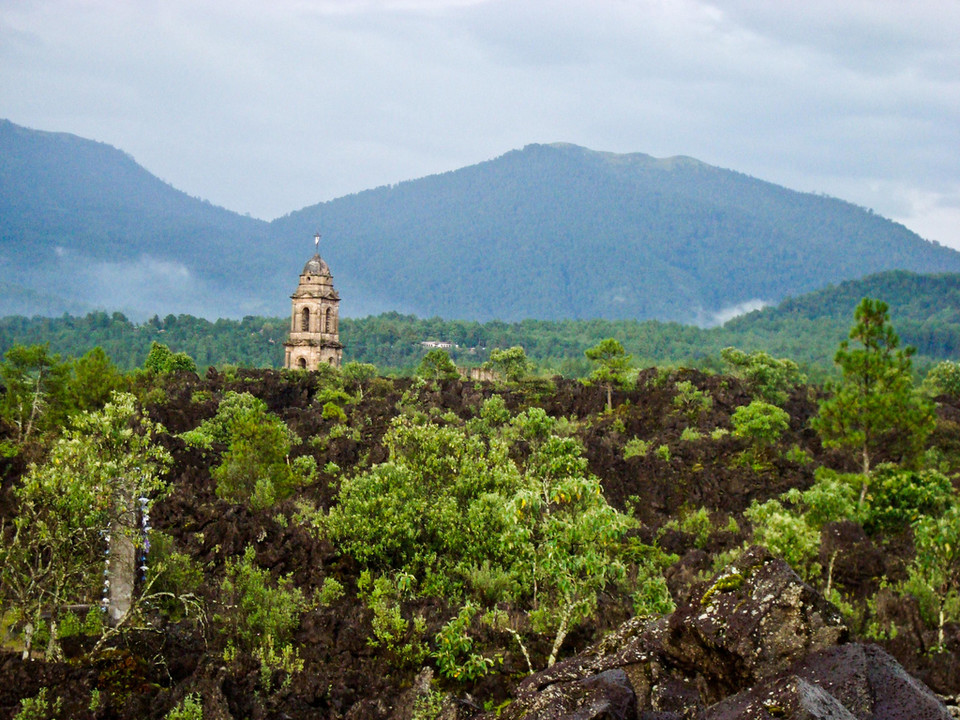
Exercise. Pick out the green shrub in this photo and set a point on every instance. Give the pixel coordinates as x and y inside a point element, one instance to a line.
<point>943,379</point>
<point>258,615</point>
<point>690,435</point>
<point>769,379</point>
<point>663,452</point>
<point>690,401</point>
<point>798,455</point>
<point>332,411</point>
<point>652,596</point>
<point>898,497</point>
<point>256,467</point>
<point>330,591</point>
<point>760,424</point>
<point>39,707</point>
<point>69,625</point>
<point>191,708</point>
<point>786,535</point>
<point>454,654</point>
<point>437,365</point>
<point>391,631</point>
<point>635,447</point>
<point>160,360</point>
<point>698,524</point>
<point>831,498</point>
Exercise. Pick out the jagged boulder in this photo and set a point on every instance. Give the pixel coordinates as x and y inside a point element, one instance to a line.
<point>755,640</point>
<point>855,681</point>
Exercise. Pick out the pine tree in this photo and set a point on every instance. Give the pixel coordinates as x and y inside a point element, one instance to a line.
<point>874,406</point>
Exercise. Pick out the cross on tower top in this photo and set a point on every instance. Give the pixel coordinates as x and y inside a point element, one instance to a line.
<point>316,241</point>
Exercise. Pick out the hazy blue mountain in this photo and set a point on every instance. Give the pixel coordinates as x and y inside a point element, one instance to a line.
<point>549,231</point>
<point>559,231</point>
<point>80,221</point>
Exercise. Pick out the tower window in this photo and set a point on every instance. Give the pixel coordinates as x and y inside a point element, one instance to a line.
<point>305,320</point>
<point>328,321</point>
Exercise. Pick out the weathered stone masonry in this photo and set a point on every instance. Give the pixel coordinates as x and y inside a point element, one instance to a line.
<point>314,320</point>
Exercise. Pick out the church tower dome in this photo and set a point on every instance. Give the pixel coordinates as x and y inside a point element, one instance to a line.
<point>315,318</point>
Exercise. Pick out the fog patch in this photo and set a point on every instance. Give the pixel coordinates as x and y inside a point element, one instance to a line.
<point>731,311</point>
<point>713,318</point>
<point>144,283</point>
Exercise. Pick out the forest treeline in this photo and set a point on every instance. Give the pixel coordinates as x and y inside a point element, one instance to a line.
<point>926,310</point>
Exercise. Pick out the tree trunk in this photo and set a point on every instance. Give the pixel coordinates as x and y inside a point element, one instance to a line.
<point>866,475</point>
<point>561,636</point>
<point>27,641</point>
<point>940,630</point>
<point>122,571</point>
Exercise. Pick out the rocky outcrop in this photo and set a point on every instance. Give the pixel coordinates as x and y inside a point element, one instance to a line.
<point>756,642</point>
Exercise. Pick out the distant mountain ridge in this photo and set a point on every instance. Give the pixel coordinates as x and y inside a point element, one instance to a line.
<point>83,224</point>
<point>547,232</point>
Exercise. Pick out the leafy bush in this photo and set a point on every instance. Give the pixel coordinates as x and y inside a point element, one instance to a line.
<point>934,576</point>
<point>760,423</point>
<point>832,497</point>
<point>258,615</point>
<point>453,508</point>
<point>691,435</point>
<point>899,497</point>
<point>160,360</point>
<point>255,468</point>
<point>454,654</point>
<point>191,708</point>
<point>332,411</point>
<point>770,379</point>
<point>943,379</point>
<point>786,535</point>
<point>175,578</point>
<point>39,707</point>
<point>330,591</point>
<point>432,508</point>
<point>635,447</point>
<point>690,401</point>
<point>391,631</point>
<point>510,364</point>
<point>437,365</point>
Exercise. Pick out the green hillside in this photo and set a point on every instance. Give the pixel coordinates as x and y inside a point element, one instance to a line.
<point>925,310</point>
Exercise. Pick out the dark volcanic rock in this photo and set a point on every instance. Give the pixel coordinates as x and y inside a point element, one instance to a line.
<point>756,642</point>
<point>754,620</point>
<point>849,681</point>
<point>607,695</point>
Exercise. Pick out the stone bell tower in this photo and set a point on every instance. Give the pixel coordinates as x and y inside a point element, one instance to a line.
<point>315,318</point>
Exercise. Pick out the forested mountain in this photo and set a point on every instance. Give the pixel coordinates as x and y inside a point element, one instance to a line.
<point>82,226</point>
<point>548,232</point>
<point>925,310</point>
<point>559,231</point>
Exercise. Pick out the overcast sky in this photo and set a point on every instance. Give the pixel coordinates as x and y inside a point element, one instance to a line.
<point>266,107</point>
